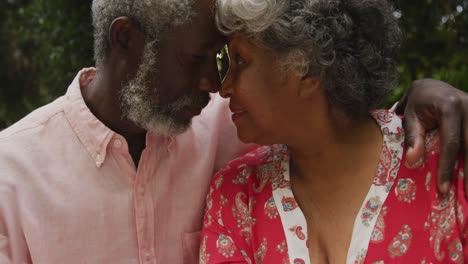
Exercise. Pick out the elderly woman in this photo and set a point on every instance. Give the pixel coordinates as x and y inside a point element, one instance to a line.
<point>331,187</point>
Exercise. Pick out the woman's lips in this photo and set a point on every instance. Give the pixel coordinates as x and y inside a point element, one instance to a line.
<point>237,113</point>
<point>236,116</point>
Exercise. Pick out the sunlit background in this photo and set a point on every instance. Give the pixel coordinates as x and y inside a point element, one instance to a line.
<point>44,43</point>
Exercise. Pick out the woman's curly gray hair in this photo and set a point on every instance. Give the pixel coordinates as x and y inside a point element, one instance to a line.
<point>153,17</point>
<point>350,44</point>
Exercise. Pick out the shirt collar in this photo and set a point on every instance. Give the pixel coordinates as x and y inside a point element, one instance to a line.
<point>92,133</point>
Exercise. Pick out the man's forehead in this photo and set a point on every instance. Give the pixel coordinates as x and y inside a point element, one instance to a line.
<point>206,7</point>
<point>213,40</point>
<point>202,31</point>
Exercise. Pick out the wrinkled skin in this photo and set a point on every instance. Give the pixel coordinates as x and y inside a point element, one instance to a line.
<point>431,104</point>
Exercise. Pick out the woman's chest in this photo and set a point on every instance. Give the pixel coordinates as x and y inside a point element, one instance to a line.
<point>408,228</point>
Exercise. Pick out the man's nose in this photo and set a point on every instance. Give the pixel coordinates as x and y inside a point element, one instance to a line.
<point>209,85</point>
<point>210,81</point>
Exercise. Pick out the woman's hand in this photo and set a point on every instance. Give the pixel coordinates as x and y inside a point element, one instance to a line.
<point>431,104</point>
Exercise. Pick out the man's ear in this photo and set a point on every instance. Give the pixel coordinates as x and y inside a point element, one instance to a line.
<point>123,34</point>
<point>309,86</point>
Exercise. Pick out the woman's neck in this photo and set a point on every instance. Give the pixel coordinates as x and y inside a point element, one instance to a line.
<point>334,152</point>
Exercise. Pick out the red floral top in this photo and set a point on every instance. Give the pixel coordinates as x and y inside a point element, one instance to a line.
<point>252,216</point>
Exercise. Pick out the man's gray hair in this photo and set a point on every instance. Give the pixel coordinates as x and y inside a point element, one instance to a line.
<point>350,45</point>
<point>153,17</point>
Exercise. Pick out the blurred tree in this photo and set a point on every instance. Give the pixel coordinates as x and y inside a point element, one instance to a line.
<point>436,43</point>
<point>43,43</point>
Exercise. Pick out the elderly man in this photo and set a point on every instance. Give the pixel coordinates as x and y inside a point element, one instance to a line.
<point>116,170</point>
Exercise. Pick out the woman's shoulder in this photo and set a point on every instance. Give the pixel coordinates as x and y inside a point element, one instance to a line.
<point>247,172</point>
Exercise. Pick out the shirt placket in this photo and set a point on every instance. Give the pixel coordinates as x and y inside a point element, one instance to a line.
<point>144,211</point>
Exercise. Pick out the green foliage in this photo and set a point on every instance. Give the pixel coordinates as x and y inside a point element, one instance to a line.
<point>436,43</point>
<point>43,43</point>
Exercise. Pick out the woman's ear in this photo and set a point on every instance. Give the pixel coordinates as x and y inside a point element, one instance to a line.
<point>308,87</point>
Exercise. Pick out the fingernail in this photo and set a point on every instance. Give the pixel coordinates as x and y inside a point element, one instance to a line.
<point>417,164</point>
<point>445,188</point>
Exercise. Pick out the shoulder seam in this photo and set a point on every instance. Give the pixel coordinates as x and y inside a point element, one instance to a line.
<point>31,127</point>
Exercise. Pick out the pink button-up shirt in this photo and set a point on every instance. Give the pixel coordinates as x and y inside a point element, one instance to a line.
<point>70,192</point>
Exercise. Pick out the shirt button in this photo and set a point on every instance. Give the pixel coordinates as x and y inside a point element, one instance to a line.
<point>142,190</point>
<point>117,143</point>
<point>99,158</point>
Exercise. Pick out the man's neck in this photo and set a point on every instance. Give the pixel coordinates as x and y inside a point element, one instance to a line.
<point>101,96</point>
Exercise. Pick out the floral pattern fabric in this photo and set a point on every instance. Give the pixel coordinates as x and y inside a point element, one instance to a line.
<point>253,217</point>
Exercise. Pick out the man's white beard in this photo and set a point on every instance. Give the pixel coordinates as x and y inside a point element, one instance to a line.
<point>142,104</point>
